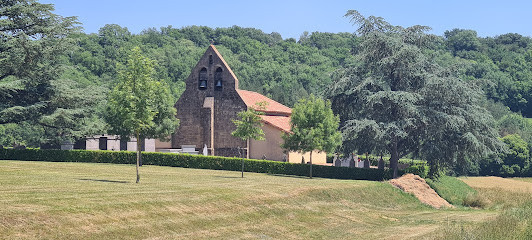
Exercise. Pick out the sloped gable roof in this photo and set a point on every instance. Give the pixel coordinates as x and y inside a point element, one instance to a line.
<point>276,114</point>
<point>224,63</point>
<point>272,108</point>
<point>280,122</point>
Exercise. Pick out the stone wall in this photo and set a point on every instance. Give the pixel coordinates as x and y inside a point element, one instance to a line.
<point>202,124</point>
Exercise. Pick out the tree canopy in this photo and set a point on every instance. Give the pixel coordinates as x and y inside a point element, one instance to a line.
<point>139,105</point>
<point>397,101</point>
<point>32,42</point>
<point>248,125</point>
<point>313,127</point>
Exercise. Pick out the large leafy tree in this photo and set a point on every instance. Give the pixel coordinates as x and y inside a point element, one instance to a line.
<point>75,114</point>
<point>139,105</point>
<point>32,40</point>
<point>314,127</point>
<point>396,99</point>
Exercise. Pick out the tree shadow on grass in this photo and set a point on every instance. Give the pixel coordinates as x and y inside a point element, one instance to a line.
<point>226,177</point>
<point>288,176</point>
<point>102,180</point>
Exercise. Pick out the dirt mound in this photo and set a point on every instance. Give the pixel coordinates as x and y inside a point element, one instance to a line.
<point>416,185</point>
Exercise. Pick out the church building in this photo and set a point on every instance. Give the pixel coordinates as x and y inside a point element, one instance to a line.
<point>209,103</point>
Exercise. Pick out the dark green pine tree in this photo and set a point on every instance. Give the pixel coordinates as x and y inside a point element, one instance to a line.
<point>32,40</point>
<point>396,100</point>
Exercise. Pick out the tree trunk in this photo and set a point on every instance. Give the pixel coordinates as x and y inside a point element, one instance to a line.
<point>394,160</point>
<point>138,158</point>
<point>310,164</point>
<point>242,157</point>
<point>140,151</point>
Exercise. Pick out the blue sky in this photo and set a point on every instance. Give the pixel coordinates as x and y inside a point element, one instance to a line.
<point>291,18</point>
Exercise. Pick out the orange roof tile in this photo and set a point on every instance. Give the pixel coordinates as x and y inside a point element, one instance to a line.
<point>252,98</point>
<point>279,122</point>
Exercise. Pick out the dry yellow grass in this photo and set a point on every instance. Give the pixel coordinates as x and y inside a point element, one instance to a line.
<point>101,201</point>
<point>512,198</point>
<point>508,184</point>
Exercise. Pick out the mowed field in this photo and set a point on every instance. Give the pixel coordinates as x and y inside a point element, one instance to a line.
<point>502,192</point>
<point>43,200</point>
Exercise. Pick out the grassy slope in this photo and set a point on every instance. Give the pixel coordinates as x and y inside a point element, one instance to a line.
<point>101,201</point>
<point>513,199</point>
<point>451,189</point>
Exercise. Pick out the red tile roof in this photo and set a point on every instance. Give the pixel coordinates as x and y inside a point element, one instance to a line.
<point>280,122</point>
<point>273,108</point>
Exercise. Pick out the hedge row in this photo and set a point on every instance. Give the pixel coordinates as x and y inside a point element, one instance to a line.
<point>193,161</point>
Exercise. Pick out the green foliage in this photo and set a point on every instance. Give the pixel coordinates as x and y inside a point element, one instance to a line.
<point>398,101</point>
<point>21,134</point>
<point>249,126</point>
<point>514,123</point>
<point>140,105</point>
<point>314,127</point>
<point>75,115</point>
<point>462,40</point>
<point>32,42</point>
<point>192,161</point>
<point>516,161</point>
<point>518,153</point>
<point>421,169</point>
<point>453,190</point>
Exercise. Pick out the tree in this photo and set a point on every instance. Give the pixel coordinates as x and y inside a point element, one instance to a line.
<point>518,152</point>
<point>249,126</point>
<point>397,99</point>
<point>314,127</point>
<point>75,114</point>
<point>32,40</point>
<point>139,105</point>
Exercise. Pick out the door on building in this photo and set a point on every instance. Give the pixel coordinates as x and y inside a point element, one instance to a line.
<point>123,145</point>
<point>103,143</point>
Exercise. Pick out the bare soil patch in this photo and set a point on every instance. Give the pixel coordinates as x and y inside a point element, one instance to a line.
<point>417,186</point>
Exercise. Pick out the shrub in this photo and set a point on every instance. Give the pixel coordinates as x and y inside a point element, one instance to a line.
<point>193,161</point>
<point>474,200</point>
<point>420,169</point>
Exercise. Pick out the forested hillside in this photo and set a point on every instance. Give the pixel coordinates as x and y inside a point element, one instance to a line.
<point>283,69</point>
<point>286,69</point>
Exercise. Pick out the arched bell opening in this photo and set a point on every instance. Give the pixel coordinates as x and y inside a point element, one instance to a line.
<point>202,80</point>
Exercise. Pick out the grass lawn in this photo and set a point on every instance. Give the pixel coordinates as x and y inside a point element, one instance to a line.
<point>511,197</point>
<point>101,201</point>
<point>451,189</point>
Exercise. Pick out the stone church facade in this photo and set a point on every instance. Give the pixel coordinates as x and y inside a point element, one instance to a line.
<point>209,103</point>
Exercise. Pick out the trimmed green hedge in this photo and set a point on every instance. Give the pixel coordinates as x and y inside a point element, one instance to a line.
<point>421,169</point>
<point>193,161</point>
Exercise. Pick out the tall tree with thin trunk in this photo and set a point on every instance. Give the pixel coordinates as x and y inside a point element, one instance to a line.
<point>313,127</point>
<point>140,106</point>
<point>249,126</point>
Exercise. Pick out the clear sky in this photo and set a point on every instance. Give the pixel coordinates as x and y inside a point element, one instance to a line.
<point>291,18</point>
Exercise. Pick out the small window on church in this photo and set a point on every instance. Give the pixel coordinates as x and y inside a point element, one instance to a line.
<point>202,83</point>
<point>218,81</point>
<point>210,59</point>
